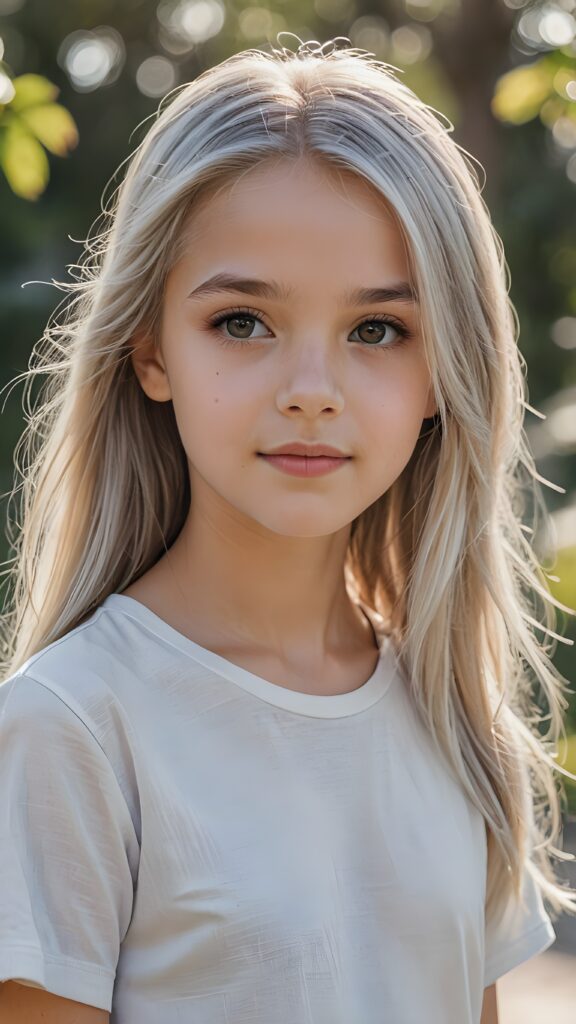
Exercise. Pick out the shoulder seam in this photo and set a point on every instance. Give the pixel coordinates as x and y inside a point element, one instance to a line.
<point>71,632</point>
<point>50,686</point>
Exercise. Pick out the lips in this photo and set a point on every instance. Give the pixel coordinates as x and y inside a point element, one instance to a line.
<point>303,465</point>
<point>309,451</point>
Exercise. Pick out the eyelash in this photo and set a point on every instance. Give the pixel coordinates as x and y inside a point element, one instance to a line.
<point>215,322</point>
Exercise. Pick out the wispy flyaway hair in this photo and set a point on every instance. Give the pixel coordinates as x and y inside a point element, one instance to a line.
<point>445,555</point>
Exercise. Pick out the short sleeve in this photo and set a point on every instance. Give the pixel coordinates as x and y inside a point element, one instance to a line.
<point>68,849</point>
<point>518,934</point>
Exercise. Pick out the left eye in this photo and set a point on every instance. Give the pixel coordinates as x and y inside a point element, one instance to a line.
<point>381,325</point>
<point>375,326</point>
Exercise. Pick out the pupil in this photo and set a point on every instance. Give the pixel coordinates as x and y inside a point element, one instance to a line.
<point>242,320</point>
<point>372,328</point>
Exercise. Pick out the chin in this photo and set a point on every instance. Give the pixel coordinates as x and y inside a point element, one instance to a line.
<point>304,526</point>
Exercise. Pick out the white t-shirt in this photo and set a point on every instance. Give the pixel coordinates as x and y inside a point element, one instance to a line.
<point>183,841</point>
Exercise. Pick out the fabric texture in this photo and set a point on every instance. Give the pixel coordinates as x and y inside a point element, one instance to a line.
<point>182,840</point>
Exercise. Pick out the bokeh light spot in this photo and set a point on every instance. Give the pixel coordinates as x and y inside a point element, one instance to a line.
<point>564,332</point>
<point>156,76</point>
<point>370,33</point>
<point>259,23</point>
<point>564,132</point>
<point>191,21</point>
<point>411,43</point>
<point>92,59</point>
<point>7,90</point>
<point>557,27</point>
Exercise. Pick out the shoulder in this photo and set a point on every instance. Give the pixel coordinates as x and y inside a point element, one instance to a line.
<point>78,670</point>
<point>83,664</point>
<point>98,670</point>
<point>64,702</point>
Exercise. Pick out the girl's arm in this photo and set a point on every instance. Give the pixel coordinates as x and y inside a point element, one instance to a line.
<point>20,1004</point>
<point>490,1006</point>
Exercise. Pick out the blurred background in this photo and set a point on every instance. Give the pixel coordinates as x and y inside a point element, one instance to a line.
<point>80,81</point>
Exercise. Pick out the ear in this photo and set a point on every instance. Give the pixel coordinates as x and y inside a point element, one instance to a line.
<point>150,369</point>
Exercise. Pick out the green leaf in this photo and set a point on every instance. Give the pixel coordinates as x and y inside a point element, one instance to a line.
<point>520,93</point>
<point>32,90</point>
<point>24,163</point>
<point>53,125</point>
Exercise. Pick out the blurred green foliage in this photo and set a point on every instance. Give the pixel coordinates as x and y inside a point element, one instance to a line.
<point>537,89</point>
<point>565,589</point>
<point>30,120</point>
<point>567,759</point>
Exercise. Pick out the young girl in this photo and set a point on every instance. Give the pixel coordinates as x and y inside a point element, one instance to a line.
<point>269,747</point>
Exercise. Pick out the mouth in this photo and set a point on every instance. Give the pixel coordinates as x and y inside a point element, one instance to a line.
<point>308,449</point>
<point>305,465</point>
<point>300,455</point>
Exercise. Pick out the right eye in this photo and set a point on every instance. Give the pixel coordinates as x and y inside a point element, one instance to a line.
<point>240,316</point>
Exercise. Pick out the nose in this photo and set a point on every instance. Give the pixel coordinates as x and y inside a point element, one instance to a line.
<point>309,383</point>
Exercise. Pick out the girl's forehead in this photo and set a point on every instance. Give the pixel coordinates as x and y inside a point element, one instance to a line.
<point>299,250</point>
<point>270,188</point>
<point>298,222</point>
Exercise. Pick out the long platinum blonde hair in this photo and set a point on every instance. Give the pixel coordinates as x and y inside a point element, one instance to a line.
<point>445,555</point>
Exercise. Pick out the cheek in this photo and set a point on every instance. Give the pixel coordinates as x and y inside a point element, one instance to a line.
<point>389,421</point>
<point>393,403</point>
<point>213,413</point>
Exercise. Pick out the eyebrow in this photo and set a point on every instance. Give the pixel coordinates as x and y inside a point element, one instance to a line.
<point>400,291</point>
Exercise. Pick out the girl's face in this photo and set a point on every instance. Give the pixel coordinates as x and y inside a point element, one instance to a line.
<point>297,359</point>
